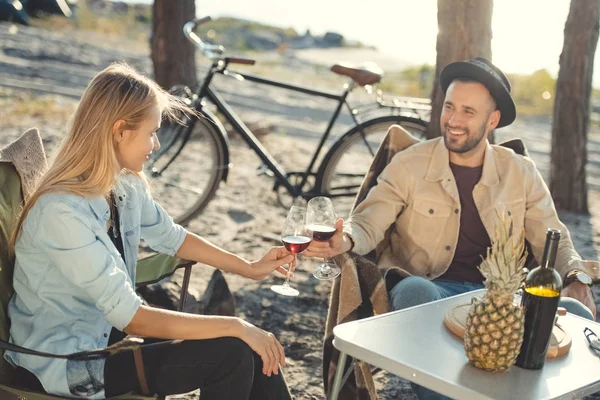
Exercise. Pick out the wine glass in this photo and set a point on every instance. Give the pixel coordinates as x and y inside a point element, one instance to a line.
<point>295,237</point>
<point>321,219</point>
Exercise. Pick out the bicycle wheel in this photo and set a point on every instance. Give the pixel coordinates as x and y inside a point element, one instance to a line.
<point>185,172</point>
<point>345,165</point>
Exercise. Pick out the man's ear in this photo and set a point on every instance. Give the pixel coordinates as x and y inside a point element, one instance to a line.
<point>118,128</point>
<point>494,119</point>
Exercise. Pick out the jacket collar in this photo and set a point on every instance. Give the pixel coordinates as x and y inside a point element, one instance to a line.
<point>489,175</point>
<point>439,166</point>
<point>100,206</point>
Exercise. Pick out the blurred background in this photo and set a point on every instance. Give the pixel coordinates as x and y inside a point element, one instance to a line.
<point>400,36</point>
<point>52,48</point>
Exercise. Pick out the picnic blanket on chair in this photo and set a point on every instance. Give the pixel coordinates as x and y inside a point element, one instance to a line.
<point>360,291</point>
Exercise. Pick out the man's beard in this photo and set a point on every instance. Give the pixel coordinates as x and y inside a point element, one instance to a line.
<point>469,144</point>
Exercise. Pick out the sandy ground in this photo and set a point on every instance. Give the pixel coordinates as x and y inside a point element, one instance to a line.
<point>244,217</point>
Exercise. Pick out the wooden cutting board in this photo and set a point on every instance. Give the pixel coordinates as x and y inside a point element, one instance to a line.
<point>456,319</point>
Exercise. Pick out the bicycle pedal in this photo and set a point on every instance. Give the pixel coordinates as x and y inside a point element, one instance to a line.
<point>264,170</point>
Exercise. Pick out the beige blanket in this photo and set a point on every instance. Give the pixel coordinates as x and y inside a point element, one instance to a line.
<point>28,156</point>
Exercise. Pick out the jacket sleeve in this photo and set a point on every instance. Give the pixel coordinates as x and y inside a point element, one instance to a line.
<point>540,215</point>
<point>370,220</point>
<point>157,228</point>
<point>68,240</point>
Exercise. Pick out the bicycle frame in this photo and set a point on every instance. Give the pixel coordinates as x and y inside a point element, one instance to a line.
<point>206,91</point>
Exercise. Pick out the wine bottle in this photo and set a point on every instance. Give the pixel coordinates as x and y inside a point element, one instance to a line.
<point>540,300</point>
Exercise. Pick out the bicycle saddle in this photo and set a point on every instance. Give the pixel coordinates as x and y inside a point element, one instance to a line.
<point>363,76</point>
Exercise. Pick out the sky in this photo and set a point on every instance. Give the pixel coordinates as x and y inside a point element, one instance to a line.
<point>527,34</point>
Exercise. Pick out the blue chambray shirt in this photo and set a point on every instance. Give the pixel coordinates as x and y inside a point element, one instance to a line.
<point>71,284</point>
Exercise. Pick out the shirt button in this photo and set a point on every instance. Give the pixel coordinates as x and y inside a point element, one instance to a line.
<point>120,198</point>
<point>448,248</point>
<point>431,211</point>
<point>105,334</point>
<point>509,213</point>
<point>456,211</point>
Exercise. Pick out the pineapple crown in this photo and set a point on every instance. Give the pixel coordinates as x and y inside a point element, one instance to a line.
<point>503,267</point>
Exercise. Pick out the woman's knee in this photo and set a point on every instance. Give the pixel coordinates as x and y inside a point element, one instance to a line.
<point>212,365</point>
<point>412,291</point>
<point>237,357</point>
<point>576,307</point>
<point>238,347</point>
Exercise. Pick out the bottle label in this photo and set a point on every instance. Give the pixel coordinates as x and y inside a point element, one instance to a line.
<point>542,291</point>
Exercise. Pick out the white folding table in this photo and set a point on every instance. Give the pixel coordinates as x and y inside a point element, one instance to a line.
<point>414,344</point>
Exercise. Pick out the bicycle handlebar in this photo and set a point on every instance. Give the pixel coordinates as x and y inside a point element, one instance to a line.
<point>212,51</point>
<point>209,50</point>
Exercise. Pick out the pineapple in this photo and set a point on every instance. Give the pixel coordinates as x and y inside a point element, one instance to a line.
<point>494,329</point>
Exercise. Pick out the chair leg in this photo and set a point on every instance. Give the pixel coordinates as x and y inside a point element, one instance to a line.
<point>184,287</point>
<point>339,372</point>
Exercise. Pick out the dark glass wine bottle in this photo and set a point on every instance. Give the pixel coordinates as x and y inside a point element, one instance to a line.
<point>540,300</point>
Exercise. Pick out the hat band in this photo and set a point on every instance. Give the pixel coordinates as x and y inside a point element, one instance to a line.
<point>489,70</point>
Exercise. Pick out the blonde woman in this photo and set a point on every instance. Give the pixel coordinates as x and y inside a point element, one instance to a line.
<point>74,273</point>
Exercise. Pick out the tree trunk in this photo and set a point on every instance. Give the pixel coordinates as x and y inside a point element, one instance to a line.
<point>464,31</point>
<point>172,53</point>
<point>572,107</point>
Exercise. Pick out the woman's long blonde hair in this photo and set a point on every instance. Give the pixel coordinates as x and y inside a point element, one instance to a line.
<point>86,163</point>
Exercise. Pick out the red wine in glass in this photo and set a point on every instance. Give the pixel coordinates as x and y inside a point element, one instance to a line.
<point>321,233</point>
<point>295,237</point>
<point>296,244</point>
<point>321,219</point>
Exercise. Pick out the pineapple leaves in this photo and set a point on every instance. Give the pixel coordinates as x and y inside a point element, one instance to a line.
<point>503,266</point>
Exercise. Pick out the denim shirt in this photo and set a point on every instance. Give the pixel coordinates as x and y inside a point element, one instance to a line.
<point>72,285</point>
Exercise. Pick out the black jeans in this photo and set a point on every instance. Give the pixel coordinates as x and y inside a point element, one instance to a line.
<point>222,368</point>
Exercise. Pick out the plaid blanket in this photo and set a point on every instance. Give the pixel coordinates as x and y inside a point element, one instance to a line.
<point>360,291</point>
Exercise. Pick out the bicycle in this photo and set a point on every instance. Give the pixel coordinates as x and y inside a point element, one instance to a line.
<point>201,147</point>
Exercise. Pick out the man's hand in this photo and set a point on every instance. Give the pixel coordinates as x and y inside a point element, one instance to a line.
<point>338,244</point>
<point>273,260</point>
<point>581,292</point>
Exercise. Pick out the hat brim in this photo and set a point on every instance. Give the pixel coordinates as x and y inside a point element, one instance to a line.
<point>504,101</point>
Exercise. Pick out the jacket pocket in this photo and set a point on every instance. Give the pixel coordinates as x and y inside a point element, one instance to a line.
<point>428,222</point>
<point>432,210</point>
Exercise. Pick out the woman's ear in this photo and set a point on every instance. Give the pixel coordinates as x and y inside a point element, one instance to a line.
<point>118,130</point>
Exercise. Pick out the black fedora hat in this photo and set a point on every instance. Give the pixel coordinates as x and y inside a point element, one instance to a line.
<point>483,71</point>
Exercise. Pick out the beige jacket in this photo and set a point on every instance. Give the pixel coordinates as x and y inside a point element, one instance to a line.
<point>417,194</point>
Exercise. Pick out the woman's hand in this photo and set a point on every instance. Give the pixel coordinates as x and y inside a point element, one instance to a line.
<point>265,345</point>
<point>338,244</point>
<point>273,260</point>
